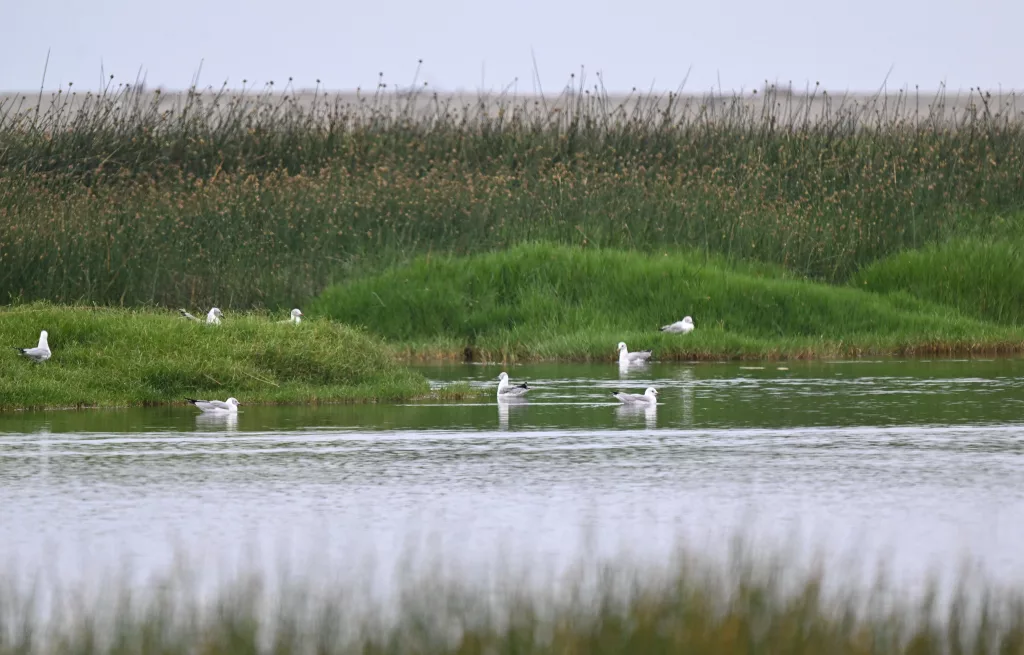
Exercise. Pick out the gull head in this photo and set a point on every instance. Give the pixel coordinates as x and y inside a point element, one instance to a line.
<point>216,312</point>
<point>621,346</point>
<point>233,401</point>
<point>651,392</point>
<point>43,336</point>
<point>296,313</point>
<point>503,376</point>
<point>688,320</point>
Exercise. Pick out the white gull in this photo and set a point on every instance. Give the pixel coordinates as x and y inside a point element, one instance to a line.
<point>40,353</point>
<point>216,406</point>
<point>506,390</point>
<point>626,357</point>
<point>296,317</point>
<point>685,326</point>
<point>649,396</point>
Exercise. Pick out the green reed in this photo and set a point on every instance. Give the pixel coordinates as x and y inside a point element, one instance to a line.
<point>241,200</point>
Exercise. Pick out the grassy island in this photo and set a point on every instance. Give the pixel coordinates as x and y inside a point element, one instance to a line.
<point>120,357</point>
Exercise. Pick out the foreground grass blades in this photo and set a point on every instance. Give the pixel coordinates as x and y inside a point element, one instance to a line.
<point>552,302</point>
<point>111,357</point>
<point>689,606</point>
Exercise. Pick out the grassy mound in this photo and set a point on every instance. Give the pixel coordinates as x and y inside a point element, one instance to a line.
<point>118,357</point>
<point>541,301</point>
<point>980,278</point>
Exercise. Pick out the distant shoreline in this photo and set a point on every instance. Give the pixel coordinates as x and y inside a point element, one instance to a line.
<point>812,103</point>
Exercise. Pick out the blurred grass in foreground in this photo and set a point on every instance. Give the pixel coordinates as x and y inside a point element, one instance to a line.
<point>689,606</point>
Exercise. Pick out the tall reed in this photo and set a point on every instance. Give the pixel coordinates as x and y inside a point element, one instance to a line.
<point>131,197</point>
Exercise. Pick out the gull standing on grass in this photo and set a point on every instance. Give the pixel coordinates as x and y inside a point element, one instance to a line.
<point>685,326</point>
<point>216,406</point>
<point>506,390</point>
<point>626,357</point>
<point>213,318</point>
<point>296,317</point>
<point>650,396</point>
<point>40,353</point>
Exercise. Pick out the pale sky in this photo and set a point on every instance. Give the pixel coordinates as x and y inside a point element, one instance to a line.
<point>735,45</point>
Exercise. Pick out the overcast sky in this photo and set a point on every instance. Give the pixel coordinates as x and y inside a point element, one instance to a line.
<point>468,45</point>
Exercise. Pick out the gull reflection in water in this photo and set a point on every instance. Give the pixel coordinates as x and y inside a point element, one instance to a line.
<point>625,368</point>
<point>686,394</point>
<point>503,406</point>
<point>633,411</point>
<point>227,421</point>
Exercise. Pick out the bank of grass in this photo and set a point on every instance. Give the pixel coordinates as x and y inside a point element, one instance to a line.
<point>542,301</point>
<point>113,357</point>
<point>688,606</point>
<point>979,277</point>
<point>261,200</point>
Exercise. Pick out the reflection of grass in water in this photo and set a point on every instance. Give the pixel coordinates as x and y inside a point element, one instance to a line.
<point>691,606</point>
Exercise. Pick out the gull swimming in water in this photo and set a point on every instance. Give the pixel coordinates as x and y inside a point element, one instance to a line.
<point>626,357</point>
<point>649,396</point>
<point>296,317</point>
<point>40,353</point>
<point>506,390</point>
<point>685,326</point>
<point>216,406</point>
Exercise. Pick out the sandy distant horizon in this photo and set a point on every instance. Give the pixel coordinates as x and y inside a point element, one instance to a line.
<point>427,103</point>
<point>511,90</point>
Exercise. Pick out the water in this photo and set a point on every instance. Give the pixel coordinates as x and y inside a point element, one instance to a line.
<point>918,463</point>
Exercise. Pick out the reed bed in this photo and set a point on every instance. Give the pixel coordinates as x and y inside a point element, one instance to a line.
<point>688,606</point>
<point>249,200</point>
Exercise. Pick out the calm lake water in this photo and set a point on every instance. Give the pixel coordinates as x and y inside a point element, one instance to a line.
<point>915,462</point>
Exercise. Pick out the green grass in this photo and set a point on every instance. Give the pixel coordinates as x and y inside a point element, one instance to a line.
<point>983,278</point>
<point>689,606</point>
<point>261,201</point>
<point>544,302</point>
<point>110,357</point>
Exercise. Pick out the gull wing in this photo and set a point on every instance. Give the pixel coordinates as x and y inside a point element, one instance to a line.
<point>629,397</point>
<point>517,390</point>
<point>639,356</point>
